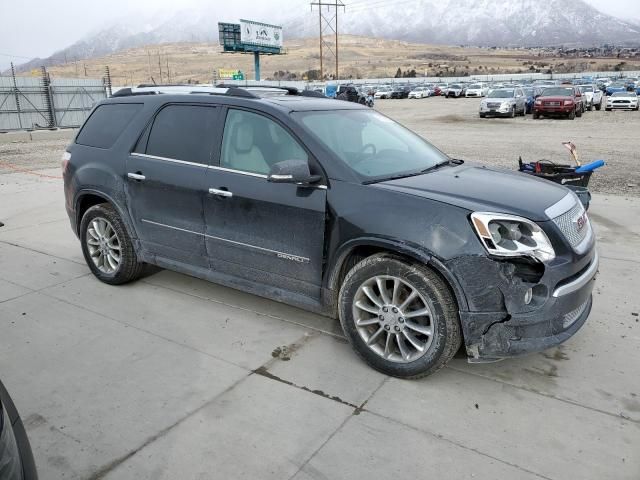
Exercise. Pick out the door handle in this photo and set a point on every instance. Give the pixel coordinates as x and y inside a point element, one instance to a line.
<point>136,176</point>
<point>220,193</point>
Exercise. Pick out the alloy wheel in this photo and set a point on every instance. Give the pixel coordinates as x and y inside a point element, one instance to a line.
<point>103,245</point>
<point>393,319</point>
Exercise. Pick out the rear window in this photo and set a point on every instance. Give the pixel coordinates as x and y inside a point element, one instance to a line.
<point>106,123</point>
<point>183,132</point>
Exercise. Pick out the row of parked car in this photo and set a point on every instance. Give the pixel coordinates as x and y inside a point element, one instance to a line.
<point>541,98</point>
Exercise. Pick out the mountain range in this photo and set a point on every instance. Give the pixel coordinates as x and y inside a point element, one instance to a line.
<point>451,22</point>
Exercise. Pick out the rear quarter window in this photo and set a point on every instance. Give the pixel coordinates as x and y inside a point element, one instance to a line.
<point>106,123</point>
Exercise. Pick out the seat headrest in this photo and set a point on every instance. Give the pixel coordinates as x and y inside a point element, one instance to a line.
<point>243,138</point>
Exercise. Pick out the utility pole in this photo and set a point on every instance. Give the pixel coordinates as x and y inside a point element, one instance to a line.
<point>149,58</point>
<point>159,67</point>
<point>328,20</point>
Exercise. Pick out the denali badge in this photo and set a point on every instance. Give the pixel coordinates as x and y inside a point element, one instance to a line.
<point>581,221</point>
<point>293,258</point>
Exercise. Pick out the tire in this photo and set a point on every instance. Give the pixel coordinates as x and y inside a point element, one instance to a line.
<point>599,106</point>
<point>571,115</point>
<point>482,115</point>
<point>512,114</point>
<point>608,109</point>
<point>591,107</point>
<point>433,295</point>
<point>536,116</point>
<point>579,112</point>
<point>128,267</point>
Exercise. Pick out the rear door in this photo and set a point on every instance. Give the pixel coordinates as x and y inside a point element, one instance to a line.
<point>271,233</point>
<point>167,181</point>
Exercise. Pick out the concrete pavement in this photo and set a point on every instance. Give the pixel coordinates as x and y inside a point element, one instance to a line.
<point>173,377</point>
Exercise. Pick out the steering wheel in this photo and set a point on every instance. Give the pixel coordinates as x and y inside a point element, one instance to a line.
<point>362,150</point>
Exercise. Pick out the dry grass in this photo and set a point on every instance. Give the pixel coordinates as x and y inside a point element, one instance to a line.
<point>359,57</point>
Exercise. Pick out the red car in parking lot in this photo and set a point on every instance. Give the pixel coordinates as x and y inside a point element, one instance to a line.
<point>564,100</point>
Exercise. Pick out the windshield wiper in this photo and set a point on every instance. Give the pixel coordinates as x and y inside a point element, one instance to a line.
<point>450,161</point>
<point>437,165</point>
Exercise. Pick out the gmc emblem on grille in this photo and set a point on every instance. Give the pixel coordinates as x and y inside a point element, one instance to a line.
<point>581,221</point>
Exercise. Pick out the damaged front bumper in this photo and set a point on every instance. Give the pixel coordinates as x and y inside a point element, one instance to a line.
<point>552,319</point>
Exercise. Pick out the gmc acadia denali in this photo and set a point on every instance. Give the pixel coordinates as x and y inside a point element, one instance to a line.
<point>334,208</point>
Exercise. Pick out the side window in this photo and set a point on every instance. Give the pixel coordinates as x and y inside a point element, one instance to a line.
<point>106,123</point>
<point>252,143</point>
<point>183,132</point>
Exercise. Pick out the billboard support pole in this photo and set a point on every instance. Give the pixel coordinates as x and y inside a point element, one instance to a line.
<point>256,65</point>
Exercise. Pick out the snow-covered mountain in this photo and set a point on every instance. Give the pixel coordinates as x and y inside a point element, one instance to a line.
<point>487,22</point>
<point>469,22</point>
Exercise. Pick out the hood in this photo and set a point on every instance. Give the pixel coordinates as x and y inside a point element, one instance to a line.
<point>480,188</point>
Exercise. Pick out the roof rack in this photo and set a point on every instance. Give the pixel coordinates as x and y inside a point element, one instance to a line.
<point>146,89</point>
<point>248,91</point>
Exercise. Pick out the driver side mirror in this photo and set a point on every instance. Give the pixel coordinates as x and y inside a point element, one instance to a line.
<point>292,171</point>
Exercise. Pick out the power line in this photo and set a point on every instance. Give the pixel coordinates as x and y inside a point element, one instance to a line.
<point>15,56</point>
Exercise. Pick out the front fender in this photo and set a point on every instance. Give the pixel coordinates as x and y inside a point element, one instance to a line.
<point>406,249</point>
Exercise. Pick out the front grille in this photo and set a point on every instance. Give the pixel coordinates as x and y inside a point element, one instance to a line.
<point>493,105</point>
<point>622,101</point>
<point>570,318</point>
<point>552,104</point>
<point>569,224</point>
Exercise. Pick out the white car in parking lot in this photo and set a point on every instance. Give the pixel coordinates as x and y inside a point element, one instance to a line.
<point>383,92</point>
<point>622,101</point>
<point>420,92</point>
<point>593,96</point>
<point>476,90</point>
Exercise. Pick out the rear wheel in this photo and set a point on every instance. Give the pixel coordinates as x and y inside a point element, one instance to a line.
<point>400,318</point>
<point>106,246</point>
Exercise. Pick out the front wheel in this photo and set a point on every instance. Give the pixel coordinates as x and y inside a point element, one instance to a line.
<point>400,318</point>
<point>107,247</point>
<point>512,114</point>
<point>599,106</point>
<point>571,115</point>
<point>579,112</point>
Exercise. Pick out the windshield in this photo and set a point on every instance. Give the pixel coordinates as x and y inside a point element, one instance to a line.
<point>528,92</point>
<point>372,145</point>
<point>500,94</point>
<point>586,88</point>
<point>558,91</point>
<point>475,87</point>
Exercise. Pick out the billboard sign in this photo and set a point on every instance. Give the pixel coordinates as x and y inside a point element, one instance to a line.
<point>256,33</point>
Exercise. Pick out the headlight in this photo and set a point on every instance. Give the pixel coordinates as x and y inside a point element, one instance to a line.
<point>10,466</point>
<point>510,236</point>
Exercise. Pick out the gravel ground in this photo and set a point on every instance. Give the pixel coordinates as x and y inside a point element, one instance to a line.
<point>453,126</point>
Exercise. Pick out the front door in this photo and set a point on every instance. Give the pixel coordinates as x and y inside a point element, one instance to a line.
<point>270,233</point>
<point>167,182</point>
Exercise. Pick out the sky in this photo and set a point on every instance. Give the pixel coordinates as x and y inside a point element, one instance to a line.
<point>38,28</point>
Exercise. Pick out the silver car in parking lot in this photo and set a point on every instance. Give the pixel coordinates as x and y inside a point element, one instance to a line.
<point>504,102</point>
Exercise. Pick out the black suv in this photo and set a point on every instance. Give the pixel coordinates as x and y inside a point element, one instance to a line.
<point>337,209</point>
